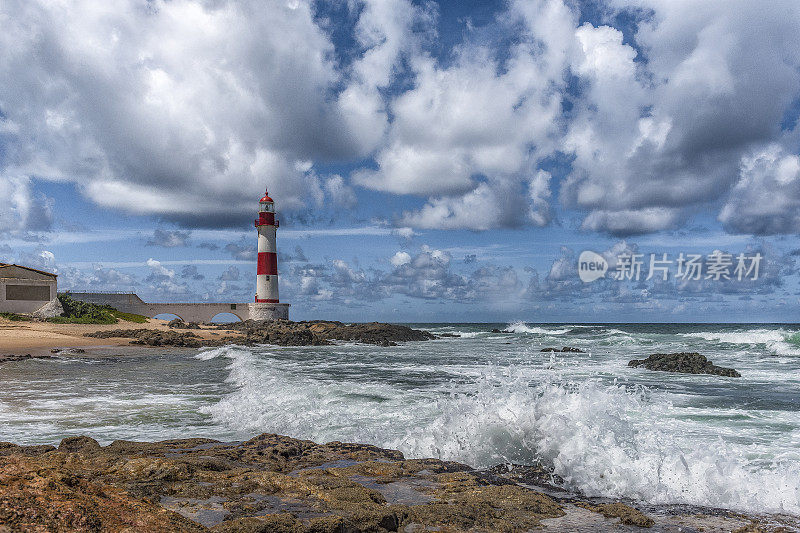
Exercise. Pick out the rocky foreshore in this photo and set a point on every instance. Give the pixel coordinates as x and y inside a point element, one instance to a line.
<point>279,332</point>
<point>273,483</point>
<point>7,358</point>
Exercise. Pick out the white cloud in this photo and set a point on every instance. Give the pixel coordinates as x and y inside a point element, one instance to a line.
<point>185,109</point>
<point>400,258</point>
<point>766,199</point>
<point>655,137</point>
<point>180,108</point>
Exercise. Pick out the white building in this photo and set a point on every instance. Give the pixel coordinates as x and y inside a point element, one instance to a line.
<point>24,289</point>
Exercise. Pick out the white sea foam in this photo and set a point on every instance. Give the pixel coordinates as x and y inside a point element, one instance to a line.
<point>775,340</point>
<point>522,327</point>
<point>601,439</point>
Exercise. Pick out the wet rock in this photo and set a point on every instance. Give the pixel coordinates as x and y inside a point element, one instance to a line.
<point>12,357</point>
<point>279,332</point>
<point>685,363</point>
<point>153,337</point>
<point>569,349</point>
<point>177,323</point>
<point>79,444</point>
<point>627,515</point>
<point>274,483</point>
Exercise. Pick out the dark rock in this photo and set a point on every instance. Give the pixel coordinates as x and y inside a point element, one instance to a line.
<point>568,349</point>
<point>280,332</point>
<point>448,335</point>
<point>273,483</point>
<point>177,323</point>
<point>685,363</point>
<point>627,515</point>
<point>152,337</point>
<point>12,357</point>
<point>78,444</point>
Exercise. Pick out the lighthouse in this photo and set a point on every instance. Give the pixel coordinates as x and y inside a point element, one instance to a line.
<point>266,305</point>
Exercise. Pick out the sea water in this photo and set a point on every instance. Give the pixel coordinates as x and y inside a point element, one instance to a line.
<point>483,398</point>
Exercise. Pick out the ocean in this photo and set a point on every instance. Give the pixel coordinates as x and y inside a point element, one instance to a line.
<point>483,398</point>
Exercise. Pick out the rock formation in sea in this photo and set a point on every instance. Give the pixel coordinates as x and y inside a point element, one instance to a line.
<point>280,332</point>
<point>685,363</point>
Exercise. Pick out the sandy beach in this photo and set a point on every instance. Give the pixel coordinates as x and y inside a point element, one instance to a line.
<point>19,337</point>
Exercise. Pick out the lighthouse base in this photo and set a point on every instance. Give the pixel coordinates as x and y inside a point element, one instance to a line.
<point>268,311</point>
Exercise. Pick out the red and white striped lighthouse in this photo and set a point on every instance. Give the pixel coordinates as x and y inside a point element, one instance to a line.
<point>267,271</point>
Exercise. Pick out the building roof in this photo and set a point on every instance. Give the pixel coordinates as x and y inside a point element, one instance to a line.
<point>266,197</point>
<point>3,265</point>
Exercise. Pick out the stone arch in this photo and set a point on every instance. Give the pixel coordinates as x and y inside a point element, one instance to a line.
<point>231,312</point>
<point>170,314</point>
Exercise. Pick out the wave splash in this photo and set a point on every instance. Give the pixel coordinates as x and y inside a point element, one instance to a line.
<point>522,327</point>
<point>777,341</point>
<point>603,440</point>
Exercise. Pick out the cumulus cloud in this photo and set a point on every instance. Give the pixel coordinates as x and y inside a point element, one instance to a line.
<point>96,279</point>
<point>39,259</point>
<point>766,199</point>
<point>184,109</point>
<point>168,238</point>
<point>244,249</point>
<point>656,136</point>
<point>230,274</point>
<point>163,280</point>
<point>191,272</point>
<point>340,193</point>
<point>298,256</point>
<point>20,208</point>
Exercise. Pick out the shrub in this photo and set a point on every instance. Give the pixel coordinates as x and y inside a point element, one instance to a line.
<point>78,312</point>
<point>15,317</point>
<point>130,317</point>
<point>82,320</point>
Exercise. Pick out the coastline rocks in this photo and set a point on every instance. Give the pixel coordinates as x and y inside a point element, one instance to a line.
<point>268,483</point>
<point>627,515</point>
<point>684,363</point>
<point>565,349</point>
<point>321,332</point>
<point>177,323</point>
<point>273,483</point>
<point>12,357</point>
<point>279,332</point>
<point>152,337</point>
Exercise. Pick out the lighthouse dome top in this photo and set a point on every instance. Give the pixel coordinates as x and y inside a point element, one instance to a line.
<point>266,197</point>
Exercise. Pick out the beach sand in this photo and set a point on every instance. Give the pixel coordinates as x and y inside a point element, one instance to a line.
<point>36,338</point>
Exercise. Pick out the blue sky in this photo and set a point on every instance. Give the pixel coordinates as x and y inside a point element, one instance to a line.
<point>430,161</point>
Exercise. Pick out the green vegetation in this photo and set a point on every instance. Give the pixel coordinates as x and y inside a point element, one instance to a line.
<point>81,320</point>
<point>129,317</point>
<point>15,317</point>
<point>78,312</point>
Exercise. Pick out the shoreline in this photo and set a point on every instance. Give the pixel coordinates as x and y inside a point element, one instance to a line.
<point>579,511</point>
<point>39,338</point>
<point>278,483</point>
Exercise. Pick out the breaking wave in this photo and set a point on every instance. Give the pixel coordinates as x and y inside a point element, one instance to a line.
<point>602,439</point>
<point>522,327</point>
<point>777,341</point>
